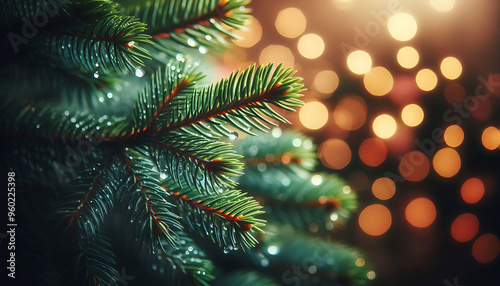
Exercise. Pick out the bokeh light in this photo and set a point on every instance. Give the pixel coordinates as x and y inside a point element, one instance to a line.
<point>350,113</point>
<point>486,248</point>
<point>472,190</point>
<point>480,107</point>
<point>451,68</point>
<point>383,188</point>
<point>412,115</point>
<point>359,62</point>
<point>442,5</point>
<point>454,93</point>
<point>335,153</point>
<point>420,212</point>
<point>491,138</point>
<point>372,152</point>
<point>414,166</point>
<point>311,46</point>
<point>384,126</point>
<point>405,90</point>
<point>378,81</point>
<point>453,135</point>
<point>464,227</point>
<point>291,22</point>
<point>426,79</point>
<point>278,54</point>
<point>375,219</point>
<point>407,57</point>
<point>402,26</point>
<point>326,81</point>
<point>313,115</point>
<point>446,162</point>
<point>251,35</point>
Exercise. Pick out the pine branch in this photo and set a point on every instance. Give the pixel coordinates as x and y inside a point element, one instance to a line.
<point>242,100</point>
<point>318,199</point>
<point>286,149</point>
<point>192,23</point>
<point>110,44</point>
<point>99,262</point>
<point>204,165</point>
<point>151,213</point>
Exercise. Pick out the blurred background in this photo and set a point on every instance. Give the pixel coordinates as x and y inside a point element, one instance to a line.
<point>402,99</point>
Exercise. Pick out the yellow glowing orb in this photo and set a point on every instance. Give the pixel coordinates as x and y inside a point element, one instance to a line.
<point>412,115</point>
<point>451,68</point>
<point>408,57</point>
<point>313,115</point>
<point>378,81</point>
<point>291,22</point>
<point>359,62</point>
<point>402,26</point>
<point>384,126</point>
<point>426,79</point>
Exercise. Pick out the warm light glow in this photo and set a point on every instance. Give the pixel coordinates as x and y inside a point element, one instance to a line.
<point>372,152</point>
<point>291,22</point>
<point>311,46</point>
<point>412,115</point>
<point>313,115</point>
<point>335,153</point>
<point>426,80</point>
<point>326,81</point>
<point>464,227</point>
<point>384,126</point>
<point>402,26</point>
<point>251,35</point>
<point>491,138</point>
<point>486,248</point>
<point>472,190</point>
<point>359,62</point>
<point>453,135</point>
<point>277,54</point>
<point>408,57</point>
<point>451,68</point>
<point>375,219</point>
<point>350,113</point>
<point>378,81</point>
<point>420,212</point>
<point>480,107</point>
<point>414,166</point>
<point>442,5</point>
<point>383,188</point>
<point>446,162</point>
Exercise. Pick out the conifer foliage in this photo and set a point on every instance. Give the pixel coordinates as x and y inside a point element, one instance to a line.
<point>127,162</point>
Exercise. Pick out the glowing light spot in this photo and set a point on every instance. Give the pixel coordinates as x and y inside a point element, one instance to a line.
<point>360,262</point>
<point>402,26</point>
<point>326,81</point>
<point>316,180</point>
<point>412,115</point>
<point>359,62</point>
<point>273,249</point>
<point>451,68</point>
<point>372,152</point>
<point>453,135</point>
<point>251,35</point>
<point>378,81</point>
<point>420,212</point>
<point>290,22</point>
<point>405,90</point>
<point>446,162</point>
<point>408,57</point>
<point>371,275</point>
<point>139,72</point>
<point>491,138</point>
<point>414,166</point>
<point>384,126</point>
<point>426,80</point>
<point>454,93</point>
<point>375,219</point>
<point>278,54</point>
<point>464,227</point>
<point>313,115</point>
<point>335,154</point>
<point>472,190</point>
<point>442,5</point>
<point>383,188</point>
<point>486,248</point>
<point>311,46</point>
<point>350,113</point>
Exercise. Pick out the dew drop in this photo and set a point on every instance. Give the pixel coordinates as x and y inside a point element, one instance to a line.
<point>191,42</point>
<point>203,50</point>
<point>101,99</point>
<point>233,135</point>
<point>163,176</point>
<point>109,95</point>
<point>139,72</point>
<point>96,74</point>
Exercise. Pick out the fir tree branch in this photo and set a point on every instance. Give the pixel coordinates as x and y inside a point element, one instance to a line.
<point>192,23</point>
<point>204,165</point>
<point>99,262</point>
<point>242,100</point>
